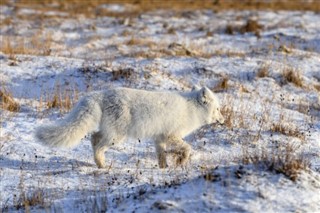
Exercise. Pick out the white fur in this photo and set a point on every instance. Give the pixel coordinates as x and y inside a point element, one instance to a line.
<point>120,113</point>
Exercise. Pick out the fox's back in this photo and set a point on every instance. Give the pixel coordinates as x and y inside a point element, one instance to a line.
<point>150,112</point>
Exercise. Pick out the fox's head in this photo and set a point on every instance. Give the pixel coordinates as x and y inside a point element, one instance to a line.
<point>210,103</point>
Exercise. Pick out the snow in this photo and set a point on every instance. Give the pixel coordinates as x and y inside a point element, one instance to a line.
<point>85,52</point>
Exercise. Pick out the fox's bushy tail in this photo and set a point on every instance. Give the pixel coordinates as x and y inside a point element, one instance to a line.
<point>84,118</point>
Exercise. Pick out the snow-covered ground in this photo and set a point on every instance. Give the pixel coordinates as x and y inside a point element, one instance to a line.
<point>164,50</point>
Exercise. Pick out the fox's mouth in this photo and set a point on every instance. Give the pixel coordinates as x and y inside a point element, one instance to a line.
<point>216,121</point>
<point>221,121</point>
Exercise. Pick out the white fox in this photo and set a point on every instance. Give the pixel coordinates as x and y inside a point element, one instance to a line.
<point>115,114</point>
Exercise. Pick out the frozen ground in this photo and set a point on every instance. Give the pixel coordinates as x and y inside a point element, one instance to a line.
<point>164,50</point>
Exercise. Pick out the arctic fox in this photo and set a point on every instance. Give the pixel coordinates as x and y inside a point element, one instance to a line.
<point>115,114</point>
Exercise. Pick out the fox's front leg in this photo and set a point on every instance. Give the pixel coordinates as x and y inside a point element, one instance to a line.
<point>161,152</point>
<point>180,150</point>
<point>183,155</point>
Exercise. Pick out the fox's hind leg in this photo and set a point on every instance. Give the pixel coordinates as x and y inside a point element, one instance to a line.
<point>100,143</point>
<point>98,149</point>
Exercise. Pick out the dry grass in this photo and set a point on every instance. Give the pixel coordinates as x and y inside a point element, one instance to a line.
<point>285,49</point>
<point>288,130</point>
<point>34,45</point>
<point>281,159</point>
<point>91,9</point>
<point>176,49</point>
<point>317,87</point>
<point>222,85</point>
<point>27,200</point>
<point>228,53</point>
<point>123,73</point>
<point>251,26</point>
<point>141,42</point>
<point>144,54</point>
<point>263,71</point>
<point>291,75</point>
<point>7,101</point>
<point>63,98</point>
<point>173,49</point>
<point>230,29</point>
<point>228,114</point>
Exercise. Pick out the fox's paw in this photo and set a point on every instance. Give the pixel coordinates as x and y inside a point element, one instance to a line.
<point>182,157</point>
<point>163,164</point>
<point>101,164</point>
<point>181,160</point>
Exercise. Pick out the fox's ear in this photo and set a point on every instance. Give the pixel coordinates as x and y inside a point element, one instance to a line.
<point>196,88</point>
<point>203,95</point>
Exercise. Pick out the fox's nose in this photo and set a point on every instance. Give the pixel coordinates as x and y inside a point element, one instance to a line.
<point>221,120</point>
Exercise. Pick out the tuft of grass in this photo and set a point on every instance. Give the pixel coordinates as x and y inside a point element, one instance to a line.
<point>230,29</point>
<point>222,85</point>
<point>285,49</point>
<point>317,87</point>
<point>171,30</point>
<point>27,200</point>
<point>34,45</point>
<point>62,98</point>
<point>291,75</point>
<point>62,101</point>
<point>287,130</point>
<point>281,159</point>
<point>228,53</point>
<point>228,115</point>
<point>179,50</point>
<point>140,41</point>
<point>13,61</point>
<point>123,73</point>
<point>252,26</point>
<point>263,71</point>
<point>7,101</point>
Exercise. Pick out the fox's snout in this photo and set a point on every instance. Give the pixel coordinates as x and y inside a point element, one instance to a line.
<point>221,120</point>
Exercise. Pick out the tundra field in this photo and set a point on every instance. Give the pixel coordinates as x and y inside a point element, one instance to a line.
<point>261,59</point>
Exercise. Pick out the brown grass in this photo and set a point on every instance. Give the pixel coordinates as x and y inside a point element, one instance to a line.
<point>317,87</point>
<point>177,49</point>
<point>291,75</point>
<point>251,26</point>
<point>228,115</point>
<point>34,45</point>
<point>173,49</point>
<point>27,200</point>
<point>140,41</point>
<point>288,130</point>
<point>263,71</point>
<point>7,101</point>
<point>123,73</point>
<point>230,29</point>
<point>281,159</point>
<point>228,53</point>
<point>63,98</point>
<point>90,8</point>
<point>222,85</point>
<point>285,49</point>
